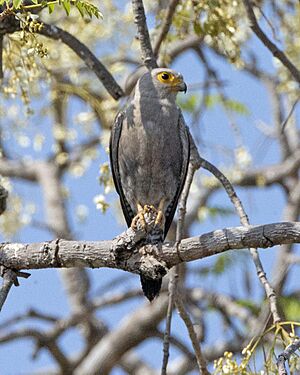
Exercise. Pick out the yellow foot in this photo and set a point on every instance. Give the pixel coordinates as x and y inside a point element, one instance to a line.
<point>138,218</point>
<point>148,216</point>
<point>159,221</point>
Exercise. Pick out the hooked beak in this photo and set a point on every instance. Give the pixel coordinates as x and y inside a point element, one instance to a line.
<point>182,87</point>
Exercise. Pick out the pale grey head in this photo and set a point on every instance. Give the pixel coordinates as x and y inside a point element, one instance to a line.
<point>161,83</point>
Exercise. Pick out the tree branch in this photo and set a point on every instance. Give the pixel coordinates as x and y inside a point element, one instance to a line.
<point>11,25</point>
<point>3,199</point>
<point>253,249</point>
<point>147,55</point>
<point>285,356</point>
<point>131,331</point>
<point>1,56</point>
<point>165,26</point>
<point>17,169</point>
<point>201,362</point>
<point>86,55</point>
<point>276,52</point>
<point>9,278</point>
<point>63,253</point>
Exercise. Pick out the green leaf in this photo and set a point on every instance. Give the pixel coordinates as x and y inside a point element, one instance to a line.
<point>197,28</point>
<point>235,106</point>
<point>229,104</point>
<point>211,100</point>
<point>17,4</point>
<point>291,307</point>
<point>80,9</point>
<point>190,103</point>
<point>221,264</point>
<point>215,211</point>
<point>249,305</point>
<point>87,9</point>
<point>67,7</point>
<point>51,7</point>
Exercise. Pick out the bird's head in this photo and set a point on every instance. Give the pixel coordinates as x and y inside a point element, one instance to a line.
<point>161,82</point>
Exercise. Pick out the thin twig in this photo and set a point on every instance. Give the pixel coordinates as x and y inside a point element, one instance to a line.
<point>195,342</point>
<point>1,56</point>
<point>166,343</point>
<point>283,125</point>
<point>245,221</point>
<point>3,199</point>
<point>280,55</point>
<point>193,166</point>
<point>9,278</point>
<point>165,26</point>
<point>269,23</point>
<point>147,55</point>
<point>285,356</point>
<point>174,274</point>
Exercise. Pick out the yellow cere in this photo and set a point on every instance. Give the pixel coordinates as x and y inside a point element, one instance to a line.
<point>169,78</point>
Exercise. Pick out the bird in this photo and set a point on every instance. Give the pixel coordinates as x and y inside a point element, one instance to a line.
<point>149,157</point>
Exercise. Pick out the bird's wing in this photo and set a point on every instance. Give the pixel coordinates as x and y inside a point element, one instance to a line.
<point>114,164</point>
<point>185,152</point>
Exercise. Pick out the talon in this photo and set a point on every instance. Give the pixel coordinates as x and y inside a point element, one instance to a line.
<point>138,218</point>
<point>159,219</point>
<point>147,208</point>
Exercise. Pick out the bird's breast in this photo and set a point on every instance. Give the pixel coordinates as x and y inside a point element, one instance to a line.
<point>150,156</point>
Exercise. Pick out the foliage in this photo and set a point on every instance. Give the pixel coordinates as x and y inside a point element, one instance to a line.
<point>85,8</point>
<point>280,336</point>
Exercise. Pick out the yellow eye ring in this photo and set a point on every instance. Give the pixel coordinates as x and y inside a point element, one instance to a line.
<point>165,77</point>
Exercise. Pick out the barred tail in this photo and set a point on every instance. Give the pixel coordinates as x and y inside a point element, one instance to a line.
<point>151,287</point>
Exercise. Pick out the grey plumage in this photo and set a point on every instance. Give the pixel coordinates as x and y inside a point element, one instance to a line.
<point>149,148</point>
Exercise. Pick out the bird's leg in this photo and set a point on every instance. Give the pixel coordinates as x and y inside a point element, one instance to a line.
<point>160,218</point>
<point>139,217</point>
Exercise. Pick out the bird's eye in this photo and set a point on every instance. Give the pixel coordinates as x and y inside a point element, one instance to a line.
<point>165,76</point>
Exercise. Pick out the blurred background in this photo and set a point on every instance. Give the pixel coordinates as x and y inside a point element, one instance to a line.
<point>55,119</point>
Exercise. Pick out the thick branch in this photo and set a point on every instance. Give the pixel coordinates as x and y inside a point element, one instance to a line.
<point>63,253</point>
<point>17,169</point>
<point>276,52</point>
<point>111,348</point>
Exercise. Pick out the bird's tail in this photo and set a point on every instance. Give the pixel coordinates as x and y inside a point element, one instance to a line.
<point>151,287</point>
